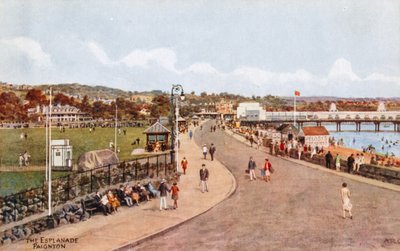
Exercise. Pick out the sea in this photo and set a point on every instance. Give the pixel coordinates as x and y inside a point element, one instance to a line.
<point>387,141</point>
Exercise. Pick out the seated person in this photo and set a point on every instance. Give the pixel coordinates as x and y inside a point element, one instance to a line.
<point>133,194</point>
<point>144,195</point>
<point>102,203</point>
<point>114,202</point>
<point>154,192</point>
<point>122,196</point>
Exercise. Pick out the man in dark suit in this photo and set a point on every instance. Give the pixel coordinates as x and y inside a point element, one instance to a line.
<point>212,151</point>
<point>204,178</point>
<point>100,205</point>
<point>350,163</point>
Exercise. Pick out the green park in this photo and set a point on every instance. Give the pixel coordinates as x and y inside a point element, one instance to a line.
<point>81,139</point>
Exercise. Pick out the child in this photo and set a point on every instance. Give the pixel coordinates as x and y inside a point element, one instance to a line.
<point>175,190</point>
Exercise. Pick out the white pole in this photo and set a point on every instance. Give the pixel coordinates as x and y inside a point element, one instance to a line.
<point>116,123</point>
<point>177,135</point>
<point>47,143</point>
<point>50,157</point>
<point>294,112</point>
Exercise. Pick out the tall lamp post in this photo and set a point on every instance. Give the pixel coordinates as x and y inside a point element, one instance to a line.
<point>176,95</point>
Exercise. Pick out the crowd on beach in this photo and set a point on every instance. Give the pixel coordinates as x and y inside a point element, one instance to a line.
<point>285,146</point>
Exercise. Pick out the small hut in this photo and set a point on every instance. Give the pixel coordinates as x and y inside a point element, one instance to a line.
<point>157,137</point>
<point>287,131</point>
<point>314,136</point>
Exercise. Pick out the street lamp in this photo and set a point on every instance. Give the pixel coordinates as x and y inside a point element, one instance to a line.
<point>176,94</point>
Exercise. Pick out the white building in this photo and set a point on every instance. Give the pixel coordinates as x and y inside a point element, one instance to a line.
<point>314,136</point>
<point>65,113</point>
<point>250,111</point>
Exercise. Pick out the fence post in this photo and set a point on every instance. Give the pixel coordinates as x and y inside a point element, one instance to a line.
<point>136,167</point>
<point>123,173</point>
<point>68,187</point>
<point>157,165</point>
<point>91,180</point>
<point>109,174</point>
<point>165,166</point>
<point>148,166</point>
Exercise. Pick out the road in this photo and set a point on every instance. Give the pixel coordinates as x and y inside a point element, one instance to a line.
<point>299,210</point>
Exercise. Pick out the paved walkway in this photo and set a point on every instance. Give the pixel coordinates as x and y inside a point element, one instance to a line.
<point>354,177</point>
<point>130,226</point>
<point>299,210</point>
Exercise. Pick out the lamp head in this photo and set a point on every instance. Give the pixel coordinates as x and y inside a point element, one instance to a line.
<point>182,96</point>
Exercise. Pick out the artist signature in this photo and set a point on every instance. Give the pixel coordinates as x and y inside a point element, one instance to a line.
<point>391,241</point>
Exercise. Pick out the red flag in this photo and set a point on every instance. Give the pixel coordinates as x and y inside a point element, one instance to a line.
<point>297,93</point>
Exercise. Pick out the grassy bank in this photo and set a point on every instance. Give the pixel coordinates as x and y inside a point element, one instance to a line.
<point>13,182</point>
<point>81,139</point>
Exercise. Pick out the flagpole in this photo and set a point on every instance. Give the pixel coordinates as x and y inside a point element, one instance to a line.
<point>46,125</point>
<point>294,111</point>
<point>50,157</point>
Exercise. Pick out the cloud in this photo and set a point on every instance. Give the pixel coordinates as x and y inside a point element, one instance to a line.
<point>202,68</point>
<point>164,57</point>
<point>342,70</point>
<point>31,49</point>
<point>99,53</point>
<point>382,78</point>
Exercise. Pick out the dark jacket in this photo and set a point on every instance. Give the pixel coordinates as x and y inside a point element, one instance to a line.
<point>350,161</point>
<point>252,164</point>
<point>212,150</point>
<point>163,189</point>
<point>328,157</point>
<point>204,174</point>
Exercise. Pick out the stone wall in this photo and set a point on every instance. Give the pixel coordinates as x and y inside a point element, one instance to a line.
<point>16,207</point>
<point>69,213</point>
<point>385,174</point>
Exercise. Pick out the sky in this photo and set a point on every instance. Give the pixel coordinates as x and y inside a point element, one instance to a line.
<point>329,48</point>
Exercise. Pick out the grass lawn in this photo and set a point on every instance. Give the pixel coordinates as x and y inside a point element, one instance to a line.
<point>80,138</point>
<point>12,182</point>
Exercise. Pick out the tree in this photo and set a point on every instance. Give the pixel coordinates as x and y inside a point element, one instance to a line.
<point>160,106</point>
<point>84,106</point>
<point>11,107</point>
<point>61,99</point>
<point>35,97</point>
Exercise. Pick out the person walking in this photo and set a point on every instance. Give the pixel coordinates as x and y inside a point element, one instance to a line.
<point>252,166</point>
<point>204,174</point>
<point>268,170</point>
<point>190,134</point>
<point>212,151</point>
<point>21,160</point>
<point>350,163</point>
<point>205,151</point>
<point>337,162</point>
<point>163,194</point>
<point>328,160</point>
<point>356,163</point>
<point>184,164</point>
<point>346,204</point>
<point>299,150</point>
<point>174,196</point>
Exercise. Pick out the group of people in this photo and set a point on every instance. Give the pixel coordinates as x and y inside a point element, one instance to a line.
<point>23,159</point>
<point>210,150</point>
<point>132,195</point>
<point>266,170</point>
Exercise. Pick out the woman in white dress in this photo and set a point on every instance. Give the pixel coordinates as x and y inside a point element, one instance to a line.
<point>345,192</point>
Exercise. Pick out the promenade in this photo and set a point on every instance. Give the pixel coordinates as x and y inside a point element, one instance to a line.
<point>131,226</point>
<point>299,210</point>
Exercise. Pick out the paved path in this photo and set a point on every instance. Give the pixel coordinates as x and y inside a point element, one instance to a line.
<point>299,210</point>
<point>133,225</point>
